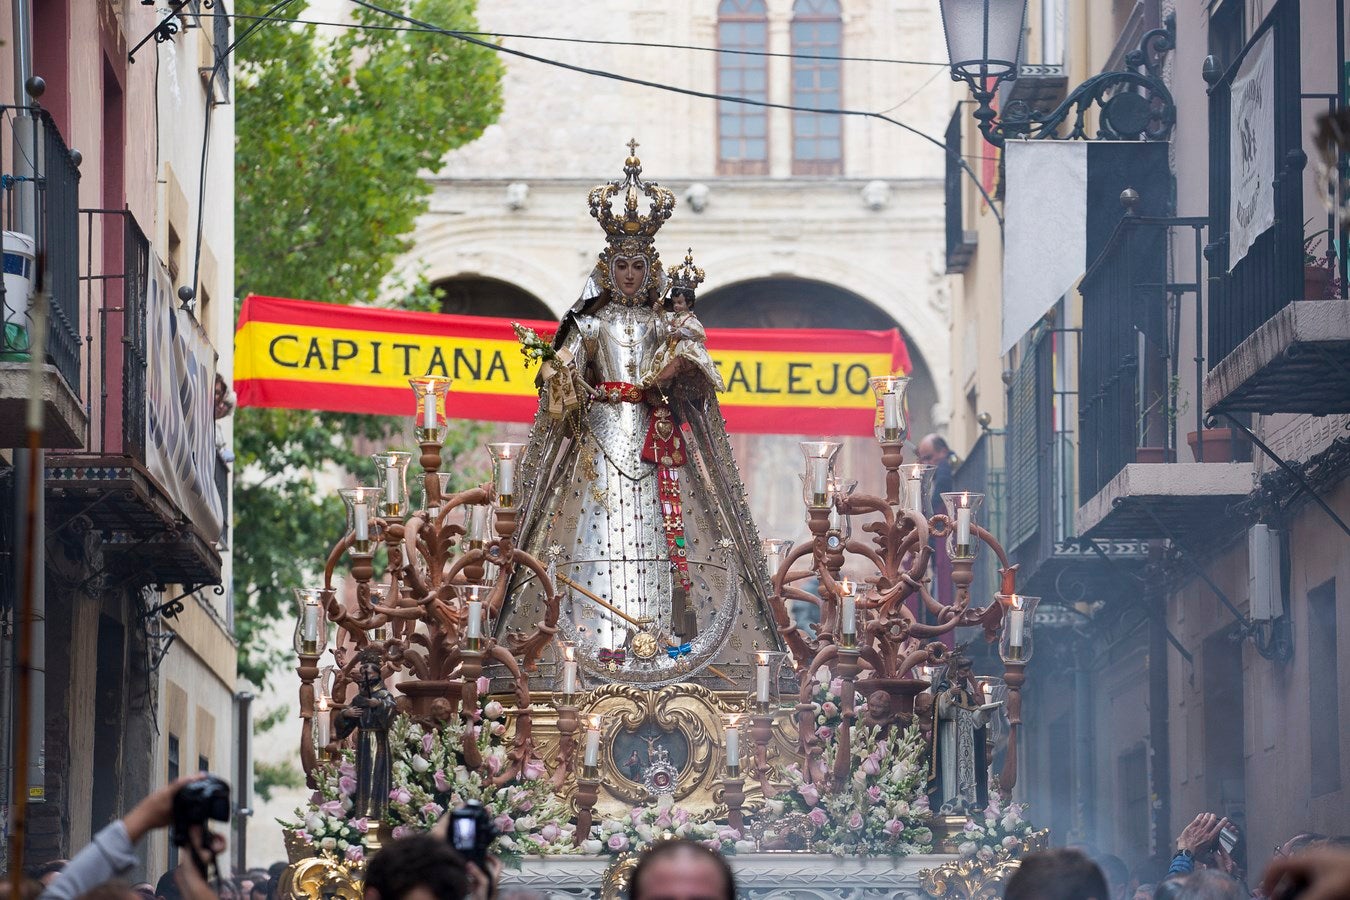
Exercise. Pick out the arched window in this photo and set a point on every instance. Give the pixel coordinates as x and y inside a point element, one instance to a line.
<point>817,138</point>
<point>742,130</point>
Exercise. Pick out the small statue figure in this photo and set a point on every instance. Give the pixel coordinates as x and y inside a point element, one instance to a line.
<point>370,713</point>
<point>685,336</point>
<point>960,767</point>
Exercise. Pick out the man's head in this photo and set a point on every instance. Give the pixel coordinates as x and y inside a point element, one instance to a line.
<point>261,890</point>
<point>421,867</point>
<point>1057,875</point>
<point>681,870</point>
<point>1209,884</point>
<point>47,872</point>
<point>1299,843</point>
<point>933,449</point>
<point>166,888</point>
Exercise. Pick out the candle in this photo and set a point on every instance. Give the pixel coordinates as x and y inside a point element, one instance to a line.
<point>321,722</point>
<point>849,617</point>
<point>477,523</point>
<point>820,472</point>
<point>915,485</point>
<point>311,623</point>
<point>890,410</point>
<point>475,619</point>
<point>569,673</point>
<point>762,681</point>
<point>428,408</point>
<point>391,484</point>
<point>733,746</point>
<point>1016,623</point>
<point>361,514</point>
<point>963,522</point>
<point>506,475</point>
<point>592,757</point>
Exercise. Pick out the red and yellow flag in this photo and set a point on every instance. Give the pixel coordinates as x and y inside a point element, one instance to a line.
<point>299,354</point>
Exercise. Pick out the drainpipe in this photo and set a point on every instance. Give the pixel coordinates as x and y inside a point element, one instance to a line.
<point>243,777</point>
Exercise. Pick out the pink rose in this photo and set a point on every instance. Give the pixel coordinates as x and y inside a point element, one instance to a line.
<point>484,683</point>
<point>893,827</point>
<point>874,793</point>
<point>362,824</point>
<point>534,769</point>
<point>504,824</point>
<point>347,784</point>
<point>401,831</point>
<point>818,817</point>
<point>855,820</point>
<point>400,795</point>
<point>681,816</point>
<point>442,783</point>
<point>427,743</point>
<point>301,834</point>
<point>355,853</point>
<point>824,732</point>
<point>618,842</point>
<point>809,794</point>
<point>837,687</point>
<point>871,765</point>
<point>494,764</point>
<point>347,768</point>
<point>432,809</point>
<point>331,808</point>
<point>525,805</point>
<point>829,708</point>
<point>662,821</point>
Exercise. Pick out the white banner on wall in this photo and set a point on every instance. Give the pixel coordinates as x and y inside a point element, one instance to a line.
<point>1251,150</point>
<point>180,446</point>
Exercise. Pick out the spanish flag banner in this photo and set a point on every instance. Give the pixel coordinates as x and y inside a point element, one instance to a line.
<point>298,354</point>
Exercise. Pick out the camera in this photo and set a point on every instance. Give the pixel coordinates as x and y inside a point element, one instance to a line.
<point>196,802</point>
<point>472,831</point>
<point>1228,839</point>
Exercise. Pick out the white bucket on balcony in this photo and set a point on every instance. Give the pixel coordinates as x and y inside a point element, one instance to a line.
<point>20,252</point>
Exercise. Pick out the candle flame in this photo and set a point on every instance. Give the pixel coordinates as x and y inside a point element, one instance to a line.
<point>762,658</point>
<point>916,473</point>
<point>965,498</point>
<point>1015,602</point>
<point>846,588</point>
<point>323,704</point>
<point>570,654</point>
<point>593,721</point>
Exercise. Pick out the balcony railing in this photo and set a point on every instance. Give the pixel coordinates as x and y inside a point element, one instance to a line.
<point>1270,274</point>
<point>37,168</point>
<point>1128,375</point>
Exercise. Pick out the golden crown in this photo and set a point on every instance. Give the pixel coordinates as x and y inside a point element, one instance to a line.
<point>686,276</point>
<point>631,224</point>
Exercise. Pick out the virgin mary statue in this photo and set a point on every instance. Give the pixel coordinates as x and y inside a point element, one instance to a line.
<point>634,498</point>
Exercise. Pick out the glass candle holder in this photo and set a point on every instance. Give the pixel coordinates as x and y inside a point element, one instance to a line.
<point>891,423</point>
<point>775,551</point>
<point>391,476</point>
<point>363,520</point>
<point>841,489</point>
<point>848,614</point>
<point>962,508</point>
<point>918,487</point>
<point>433,504</point>
<point>768,668</point>
<point>505,458</point>
<point>430,391</point>
<point>567,672</point>
<point>590,759</point>
<point>477,523</point>
<point>1014,644</point>
<point>816,479</point>
<point>474,597</point>
<point>311,624</point>
<point>380,633</point>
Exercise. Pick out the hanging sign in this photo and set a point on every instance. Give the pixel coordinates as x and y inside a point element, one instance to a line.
<point>299,354</point>
<point>1251,100</point>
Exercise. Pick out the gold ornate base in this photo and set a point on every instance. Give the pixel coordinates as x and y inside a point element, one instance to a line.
<point>968,879</point>
<point>317,878</point>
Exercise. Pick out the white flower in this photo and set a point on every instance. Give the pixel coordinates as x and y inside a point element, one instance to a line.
<point>328,843</point>
<point>314,824</point>
<point>967,849</point>
<point>591,846</point>
<point>420,764</point>
<point>746,846</point>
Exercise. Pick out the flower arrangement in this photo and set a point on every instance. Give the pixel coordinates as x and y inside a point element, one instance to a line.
<point>999,832</point>
<point>883,809</point>
<point>532,346</point>
<point>429,777</point>
<point>645,824</point>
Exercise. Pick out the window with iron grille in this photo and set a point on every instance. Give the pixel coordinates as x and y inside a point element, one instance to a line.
<point>817,138</point>
<point>742,129</point>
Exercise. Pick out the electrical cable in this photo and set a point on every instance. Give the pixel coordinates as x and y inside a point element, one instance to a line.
<point>690,92</point>
<point>365,26</point>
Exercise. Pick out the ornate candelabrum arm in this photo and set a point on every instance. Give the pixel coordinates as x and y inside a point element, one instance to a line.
<point>847,668</point>
<point>308,670</point>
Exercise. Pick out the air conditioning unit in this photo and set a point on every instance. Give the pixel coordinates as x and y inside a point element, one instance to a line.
<point>1263,573</point>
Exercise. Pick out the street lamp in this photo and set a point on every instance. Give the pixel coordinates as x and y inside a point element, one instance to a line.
<point>984,44</point>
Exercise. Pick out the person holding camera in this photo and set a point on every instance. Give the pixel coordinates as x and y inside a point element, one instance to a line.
<point>185,804</point>
<point>419,867</point>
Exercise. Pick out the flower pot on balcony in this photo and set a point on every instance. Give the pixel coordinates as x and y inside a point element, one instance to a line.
<point>1220,446</point>
<point>1150,454</point>
<point>19,253</point>
<point>1317,282</point>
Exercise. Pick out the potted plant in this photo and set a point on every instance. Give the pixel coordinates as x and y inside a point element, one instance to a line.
<point>1166,404</point>
<point>1319,269</point>
<point>1220,445</point>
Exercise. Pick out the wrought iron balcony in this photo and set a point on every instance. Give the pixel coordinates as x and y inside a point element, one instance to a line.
<point>1279,336</point>
<point>119,482</point>
<point>41,182</point>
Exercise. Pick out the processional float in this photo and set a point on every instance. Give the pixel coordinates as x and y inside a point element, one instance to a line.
<point>597,693</point>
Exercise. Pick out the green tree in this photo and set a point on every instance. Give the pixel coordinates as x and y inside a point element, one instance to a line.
<point>333,134</point>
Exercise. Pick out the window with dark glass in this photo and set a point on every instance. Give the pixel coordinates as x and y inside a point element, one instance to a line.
<point>742,128</point>
<point>817,138</point>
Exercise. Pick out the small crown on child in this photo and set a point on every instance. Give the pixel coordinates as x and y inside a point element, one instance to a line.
<point>686,276</point>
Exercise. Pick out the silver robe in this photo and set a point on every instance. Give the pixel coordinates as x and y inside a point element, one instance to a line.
<point>590,506</point>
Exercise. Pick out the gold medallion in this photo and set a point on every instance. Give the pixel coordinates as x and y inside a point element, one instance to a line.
<point>645,646</point>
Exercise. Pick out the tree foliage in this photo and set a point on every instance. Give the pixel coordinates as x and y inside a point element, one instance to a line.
<point>333,136</point>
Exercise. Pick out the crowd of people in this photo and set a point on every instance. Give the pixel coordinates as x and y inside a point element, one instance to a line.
<point>1208,865</point>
